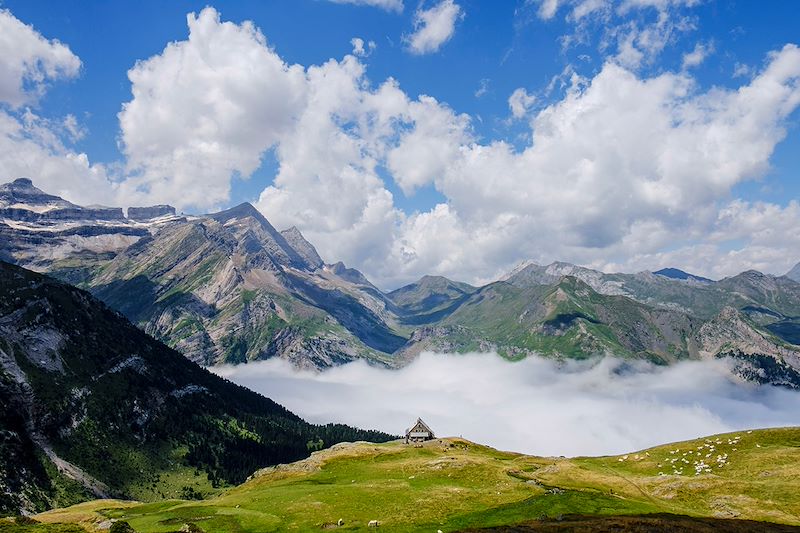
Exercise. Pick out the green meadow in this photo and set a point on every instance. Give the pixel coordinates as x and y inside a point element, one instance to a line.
<point>453,484</point>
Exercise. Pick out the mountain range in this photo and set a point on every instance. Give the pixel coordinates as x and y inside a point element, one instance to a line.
<point>229,288</point>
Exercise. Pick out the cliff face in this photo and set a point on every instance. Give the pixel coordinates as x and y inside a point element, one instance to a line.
<point>148,213</point>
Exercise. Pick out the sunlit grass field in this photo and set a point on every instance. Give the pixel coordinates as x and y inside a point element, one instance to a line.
<point>452,484</point>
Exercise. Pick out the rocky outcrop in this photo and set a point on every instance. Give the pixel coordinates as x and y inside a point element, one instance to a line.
<point>149,213</point>
<point>304,248</point>
<point>757,355</point>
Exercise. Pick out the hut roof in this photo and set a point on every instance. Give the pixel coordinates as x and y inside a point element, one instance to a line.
<point>420,422</point>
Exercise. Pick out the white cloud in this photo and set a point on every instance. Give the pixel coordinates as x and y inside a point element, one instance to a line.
<point>328,184</point>
<point>28,61</point>
<point>31,145</point>
<point>483,88</point>
<point>359,49</point>
<point>582,8</point>
<point>548,9</point>
<point>204,110</point>
<point>433,27</point>
<point>697,55</point>
<point>622,167</point>
<point>519,102</point>
<point>625,171</point>
<point>534,406</point>
<point>633,32</point>
<point>388,5</point>
<point>425,151</point>
<point>740,70</point>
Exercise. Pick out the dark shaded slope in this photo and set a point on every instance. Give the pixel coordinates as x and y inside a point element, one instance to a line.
<point>367,326</point>
<point>656,523</point>
<point>676,273</point>
<point>430,299</point>
<point>126,412</point>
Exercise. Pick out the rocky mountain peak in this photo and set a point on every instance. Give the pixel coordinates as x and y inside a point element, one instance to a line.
<point>22,183</point>
<point>676,273</point>
<point>22,194</point>
<point>245,218</point>
<point>304,248</point>
<point>349,274</point>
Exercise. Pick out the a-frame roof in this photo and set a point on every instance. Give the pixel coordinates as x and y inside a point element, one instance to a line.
<point>420,422</point>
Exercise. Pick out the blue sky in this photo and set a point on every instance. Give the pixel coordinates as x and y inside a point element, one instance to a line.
<point>494,48</point>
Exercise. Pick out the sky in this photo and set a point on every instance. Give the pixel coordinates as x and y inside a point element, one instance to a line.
<point>450,137</point>
<point>536,406</point>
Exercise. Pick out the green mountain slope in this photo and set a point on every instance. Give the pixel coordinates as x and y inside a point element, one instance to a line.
<point>453,484</point>
<point>223,290</point>
<point>567,319</point>
<point>430,299</point>
<point>229,288</point>
<point>93,405</point>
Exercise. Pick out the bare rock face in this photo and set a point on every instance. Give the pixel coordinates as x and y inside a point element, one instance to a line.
<point>794,274</point>
<point>757,355</point>
<point>304,248</point>
<point>20,200</point>
<point>149,213</point>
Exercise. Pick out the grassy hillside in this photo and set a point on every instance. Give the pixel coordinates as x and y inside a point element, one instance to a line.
<point>83,391</point>
<point>452,485</point>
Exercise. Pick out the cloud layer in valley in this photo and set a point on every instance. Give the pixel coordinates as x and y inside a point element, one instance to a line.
<point>534,406</point>
<point>624,169</point>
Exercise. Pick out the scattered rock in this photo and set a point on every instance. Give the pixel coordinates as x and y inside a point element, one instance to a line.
<point>121,527</point>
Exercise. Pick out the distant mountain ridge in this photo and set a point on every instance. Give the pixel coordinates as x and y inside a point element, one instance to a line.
<point>676,273</point>
<point>230,288</point>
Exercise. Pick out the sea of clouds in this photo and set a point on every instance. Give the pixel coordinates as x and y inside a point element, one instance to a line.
<point>535,406</point>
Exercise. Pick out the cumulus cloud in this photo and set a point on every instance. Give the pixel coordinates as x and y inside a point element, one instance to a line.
<point>433,27</point>
<point>533,406</point>
<point>388,5</point>
<point>519,102</point>
<point>625,171</point>
<point>32,145</point>
<point>206,109</point>
<point>28,60</point>
<point>427,148</point>
<point>623,166</point>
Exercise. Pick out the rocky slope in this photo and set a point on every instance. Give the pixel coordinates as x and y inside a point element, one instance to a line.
<point>794,273</point>
<point>90,406</point>
<point>230,288</point>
